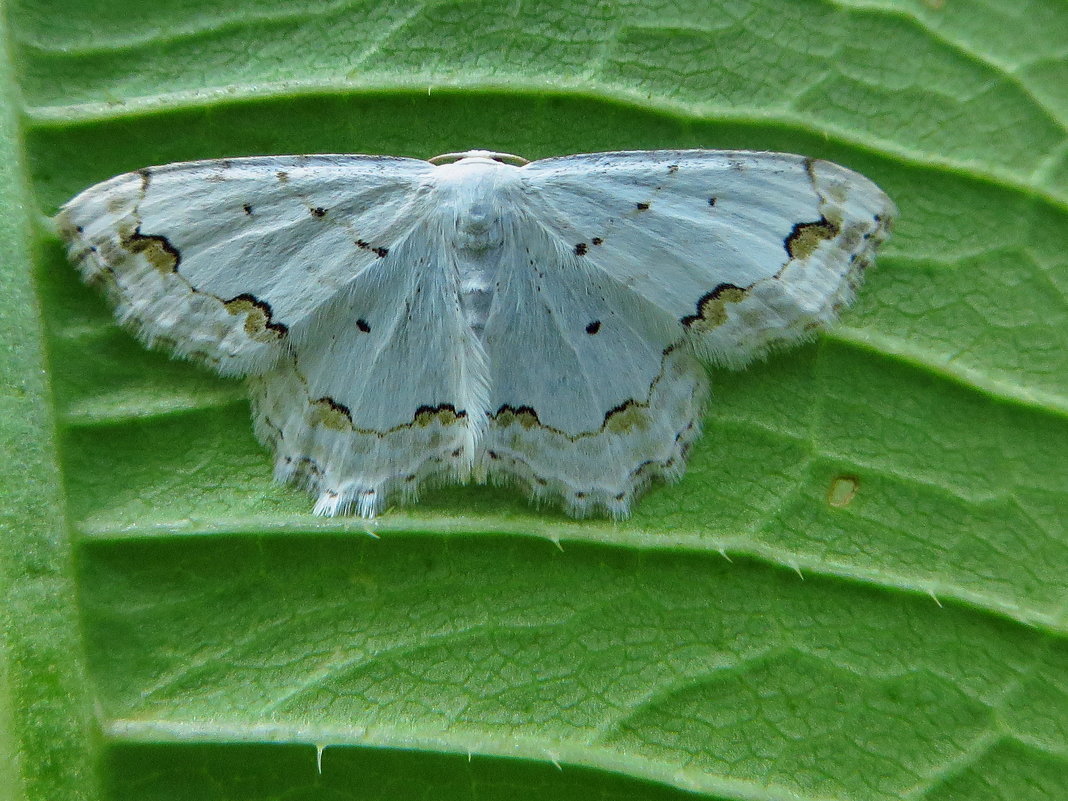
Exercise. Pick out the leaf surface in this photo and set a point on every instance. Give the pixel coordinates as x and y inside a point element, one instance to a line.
<point>859,589</point>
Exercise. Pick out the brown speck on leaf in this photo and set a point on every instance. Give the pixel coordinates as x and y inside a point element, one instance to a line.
<point>842,491</point>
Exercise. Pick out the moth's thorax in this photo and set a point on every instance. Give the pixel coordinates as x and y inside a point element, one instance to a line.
<point>473,195</point>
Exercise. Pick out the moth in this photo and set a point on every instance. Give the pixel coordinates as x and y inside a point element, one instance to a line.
<point>478,317</point>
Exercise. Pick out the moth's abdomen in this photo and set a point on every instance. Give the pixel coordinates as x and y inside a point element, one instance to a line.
<point>477,273</point>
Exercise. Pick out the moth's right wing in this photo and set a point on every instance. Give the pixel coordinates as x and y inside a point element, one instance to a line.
<point>594,392</point>
<point>218,260</point>
<point>747,251</point>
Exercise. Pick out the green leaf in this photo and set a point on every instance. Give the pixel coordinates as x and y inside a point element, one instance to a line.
<point>860,589</point>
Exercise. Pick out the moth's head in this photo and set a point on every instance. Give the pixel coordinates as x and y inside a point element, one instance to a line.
<point>484,155</point>
<point>478,192</point>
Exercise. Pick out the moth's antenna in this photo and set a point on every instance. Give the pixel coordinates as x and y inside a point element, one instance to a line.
<point>503,158</point>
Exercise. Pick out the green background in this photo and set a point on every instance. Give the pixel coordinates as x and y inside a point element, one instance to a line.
<point>857,592</point>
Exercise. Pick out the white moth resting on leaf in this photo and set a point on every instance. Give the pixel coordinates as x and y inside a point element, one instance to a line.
<point>478,317</point>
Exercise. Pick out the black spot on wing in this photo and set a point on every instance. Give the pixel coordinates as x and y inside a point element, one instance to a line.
<point>593,327</point>
<point>641,206</point>
<point>247,300</point>
<point>707,299</point>
<point>443,410</point>
<point>332,404</point>
<point>318,211</point>
<point>518,411</point>
<point>580,249</point>
<point>363,326</point>
<point>378,251</point>
<point>804,238</point>
<point>157,249</point>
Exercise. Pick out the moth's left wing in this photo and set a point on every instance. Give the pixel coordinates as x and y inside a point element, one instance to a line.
<point>747,251</point>
<point>218,260</point>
